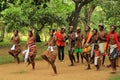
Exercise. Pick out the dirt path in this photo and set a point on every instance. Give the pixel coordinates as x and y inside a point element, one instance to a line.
<point>44,71</point>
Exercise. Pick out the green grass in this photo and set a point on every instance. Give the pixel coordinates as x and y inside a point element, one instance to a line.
<point>6,58</point>
<point>115,77</point>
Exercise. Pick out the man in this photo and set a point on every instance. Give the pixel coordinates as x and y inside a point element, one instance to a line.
<point>102,41</point>
<point>114,47</point>
<point>15,50</point>
<point>86,45</point>
<point>71,45</point>
<point>78,44</point>
<point>60,42</point>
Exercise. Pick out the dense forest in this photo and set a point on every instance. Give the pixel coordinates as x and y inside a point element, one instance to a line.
<point>43,15</point>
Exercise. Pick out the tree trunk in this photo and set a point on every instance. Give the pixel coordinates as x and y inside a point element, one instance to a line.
<point>73,18</point>
<point>2,31</point>
<point>86,20</point>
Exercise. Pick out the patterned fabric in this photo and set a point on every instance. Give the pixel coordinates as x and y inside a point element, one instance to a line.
<point>51,55</point>
<point>17,49</point>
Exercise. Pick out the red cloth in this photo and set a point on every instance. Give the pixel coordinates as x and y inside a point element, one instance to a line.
<point>60,39</point>
<point>97,52</point>
<point>116,39</point>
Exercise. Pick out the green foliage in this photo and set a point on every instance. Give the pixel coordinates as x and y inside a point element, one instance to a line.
<point>31,15</point>
<point>112,10</point>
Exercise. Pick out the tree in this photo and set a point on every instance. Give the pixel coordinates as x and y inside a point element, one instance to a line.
<point>87,11</point>
<point>73,18</point>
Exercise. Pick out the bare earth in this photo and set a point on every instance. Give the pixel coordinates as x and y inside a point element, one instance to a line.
<point>43,71</point>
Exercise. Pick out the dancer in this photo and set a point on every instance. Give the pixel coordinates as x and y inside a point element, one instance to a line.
<point>78,44</point>
<point>114,47</point>
<point>16,49</point>
<point>86,46</point>
<point>71,45</point>
<point>102,41</point>
<point>94,40</point>
<point>30,53</point>
<point>51,53</point>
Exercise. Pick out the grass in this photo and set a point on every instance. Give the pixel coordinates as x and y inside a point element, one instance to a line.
<point>115,77</point>
<point>6,58</point>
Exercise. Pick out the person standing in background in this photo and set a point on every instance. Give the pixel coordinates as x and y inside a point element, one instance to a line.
<point>113,47</point>
<point>71,45</point>
<point>60,42</point>
<point>78,44</point>
<point>102,41</point>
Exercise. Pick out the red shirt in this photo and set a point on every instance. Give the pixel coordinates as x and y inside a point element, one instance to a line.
<point>60,39</point>
<point>116,39</point>
<point>97,52</point>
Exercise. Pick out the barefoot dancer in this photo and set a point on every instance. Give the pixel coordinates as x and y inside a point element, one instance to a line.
<point>30,53</point>
<point>114,47</point>
<point>78,44</point>
<point>51,53</point>
<point>86,46</point>
<point>15,50</point>
<point>102,41</point>
<point>71,45</point>
<point>94,40</point>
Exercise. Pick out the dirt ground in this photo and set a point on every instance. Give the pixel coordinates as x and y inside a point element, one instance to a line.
<point>43,71</point>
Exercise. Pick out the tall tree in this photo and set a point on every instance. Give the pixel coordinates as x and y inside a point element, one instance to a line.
<point>73,18</point>
<point>87,11</point>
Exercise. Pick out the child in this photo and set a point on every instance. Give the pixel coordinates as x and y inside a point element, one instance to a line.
<point>97,57</point>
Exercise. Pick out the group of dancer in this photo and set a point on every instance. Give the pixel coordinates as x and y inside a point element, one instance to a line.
<point>92,45</point>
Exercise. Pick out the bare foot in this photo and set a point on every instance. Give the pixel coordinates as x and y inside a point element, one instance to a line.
<point>55,74</point>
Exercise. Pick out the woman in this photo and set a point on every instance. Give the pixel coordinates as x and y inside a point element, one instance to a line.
<point>94,40</point>
<point>31,51</point>
<point>86,46</point>
<point>51,53</point>
<point>112,47</point>
<point>16,49</point>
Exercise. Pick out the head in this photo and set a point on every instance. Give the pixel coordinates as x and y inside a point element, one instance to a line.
<point>112,28</point>
<point>52,31</point>
<point>101,26</point>
<point>87,28</point>
<point>71,28</point>
<point>62,30</point>
<point>15,32</point>
<point>30,34</point>
<point>78,30</point>
<point>95,31</point>
<point>96,47</point>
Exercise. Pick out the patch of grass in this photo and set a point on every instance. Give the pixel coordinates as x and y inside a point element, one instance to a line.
<point>115,77</point>
<point>6,58</point>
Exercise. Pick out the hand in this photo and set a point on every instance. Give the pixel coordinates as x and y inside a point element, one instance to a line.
<point>86,45</point>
